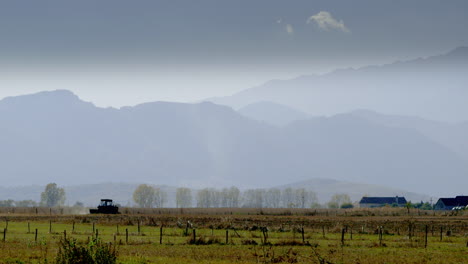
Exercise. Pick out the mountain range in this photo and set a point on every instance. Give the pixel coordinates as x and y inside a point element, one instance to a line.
<point>56,137</point>
<point>433,88</point>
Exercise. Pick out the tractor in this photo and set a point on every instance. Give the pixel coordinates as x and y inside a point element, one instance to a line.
<point>105,207</point>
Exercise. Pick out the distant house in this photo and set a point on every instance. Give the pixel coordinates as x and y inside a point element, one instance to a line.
<point>371,202</point>
<point>450,203</point>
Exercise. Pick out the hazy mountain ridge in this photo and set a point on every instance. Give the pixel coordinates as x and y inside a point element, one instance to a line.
<point>450,135</point>
<point>205,144</point>
<point>272,113</point>
<point>433,87</point>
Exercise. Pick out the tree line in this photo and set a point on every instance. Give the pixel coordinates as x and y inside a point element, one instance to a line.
<point>146,196</point>
<point>51,196</point>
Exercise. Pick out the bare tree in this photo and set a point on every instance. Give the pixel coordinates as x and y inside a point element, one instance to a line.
<point>160,198</point>
<point>254,198</point>
<point>288,198</point>
<point>205,198</point>
<point>272,198</point>
<point>183,197</point>
<point>233,197</point>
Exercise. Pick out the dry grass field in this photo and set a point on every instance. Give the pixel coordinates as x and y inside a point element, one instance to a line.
<point>384,235</point>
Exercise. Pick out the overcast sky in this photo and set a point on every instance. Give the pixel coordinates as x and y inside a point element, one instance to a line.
<point>116,52</point>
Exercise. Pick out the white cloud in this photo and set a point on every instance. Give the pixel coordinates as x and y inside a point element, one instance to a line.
<point>289,29</point>
<point>325,21</point>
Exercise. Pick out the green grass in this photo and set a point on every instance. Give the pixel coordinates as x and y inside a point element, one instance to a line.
<point>282,246</point>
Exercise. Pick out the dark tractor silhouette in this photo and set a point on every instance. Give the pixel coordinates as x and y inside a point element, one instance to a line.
<point>105,207</point>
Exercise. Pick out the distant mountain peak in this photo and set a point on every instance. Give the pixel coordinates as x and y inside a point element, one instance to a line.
<point>48,95</point>
<point>459,55</point>
<point>56,99</point>
<point>460,50</point>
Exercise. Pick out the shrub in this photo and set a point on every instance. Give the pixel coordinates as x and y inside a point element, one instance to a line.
<point>347,206</point>
<point>93,253</point>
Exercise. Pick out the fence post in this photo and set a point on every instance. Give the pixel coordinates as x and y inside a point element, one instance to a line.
<point>126,235</point>
<point>409,231</point>
<point>441,230</point>
<point>160,234</point>
<point>425,238</point>
<point>35,236</point>
<point>4,234</point>
<point>29,228</point>
<point>380,235</point>
<point>303,237</point>
<point>342,236</point>
<point>227,236</point>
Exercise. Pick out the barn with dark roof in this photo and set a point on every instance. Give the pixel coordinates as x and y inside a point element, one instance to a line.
<point>371,202</point>
<point>450,203</point>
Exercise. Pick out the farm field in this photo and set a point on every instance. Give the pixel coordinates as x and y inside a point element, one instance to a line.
<point>243,235</point>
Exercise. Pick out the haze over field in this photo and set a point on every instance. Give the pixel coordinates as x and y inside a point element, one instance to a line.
<point>255,94</point>
<point>55,136</point>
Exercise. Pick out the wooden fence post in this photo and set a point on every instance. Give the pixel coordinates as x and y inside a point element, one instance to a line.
<point>409,231</point>
<point>380,235</point>
<point>160,234</point>
<point>227,236</point>
<point>342,236</point>
<point>303,237</point>
<point>441,230</point>
<point>126,235</point>
<point>425,238</point>
<point>35,236</point>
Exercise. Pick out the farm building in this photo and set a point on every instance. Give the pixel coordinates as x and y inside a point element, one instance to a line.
<point>450,203</point>
<point>371,202</point>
